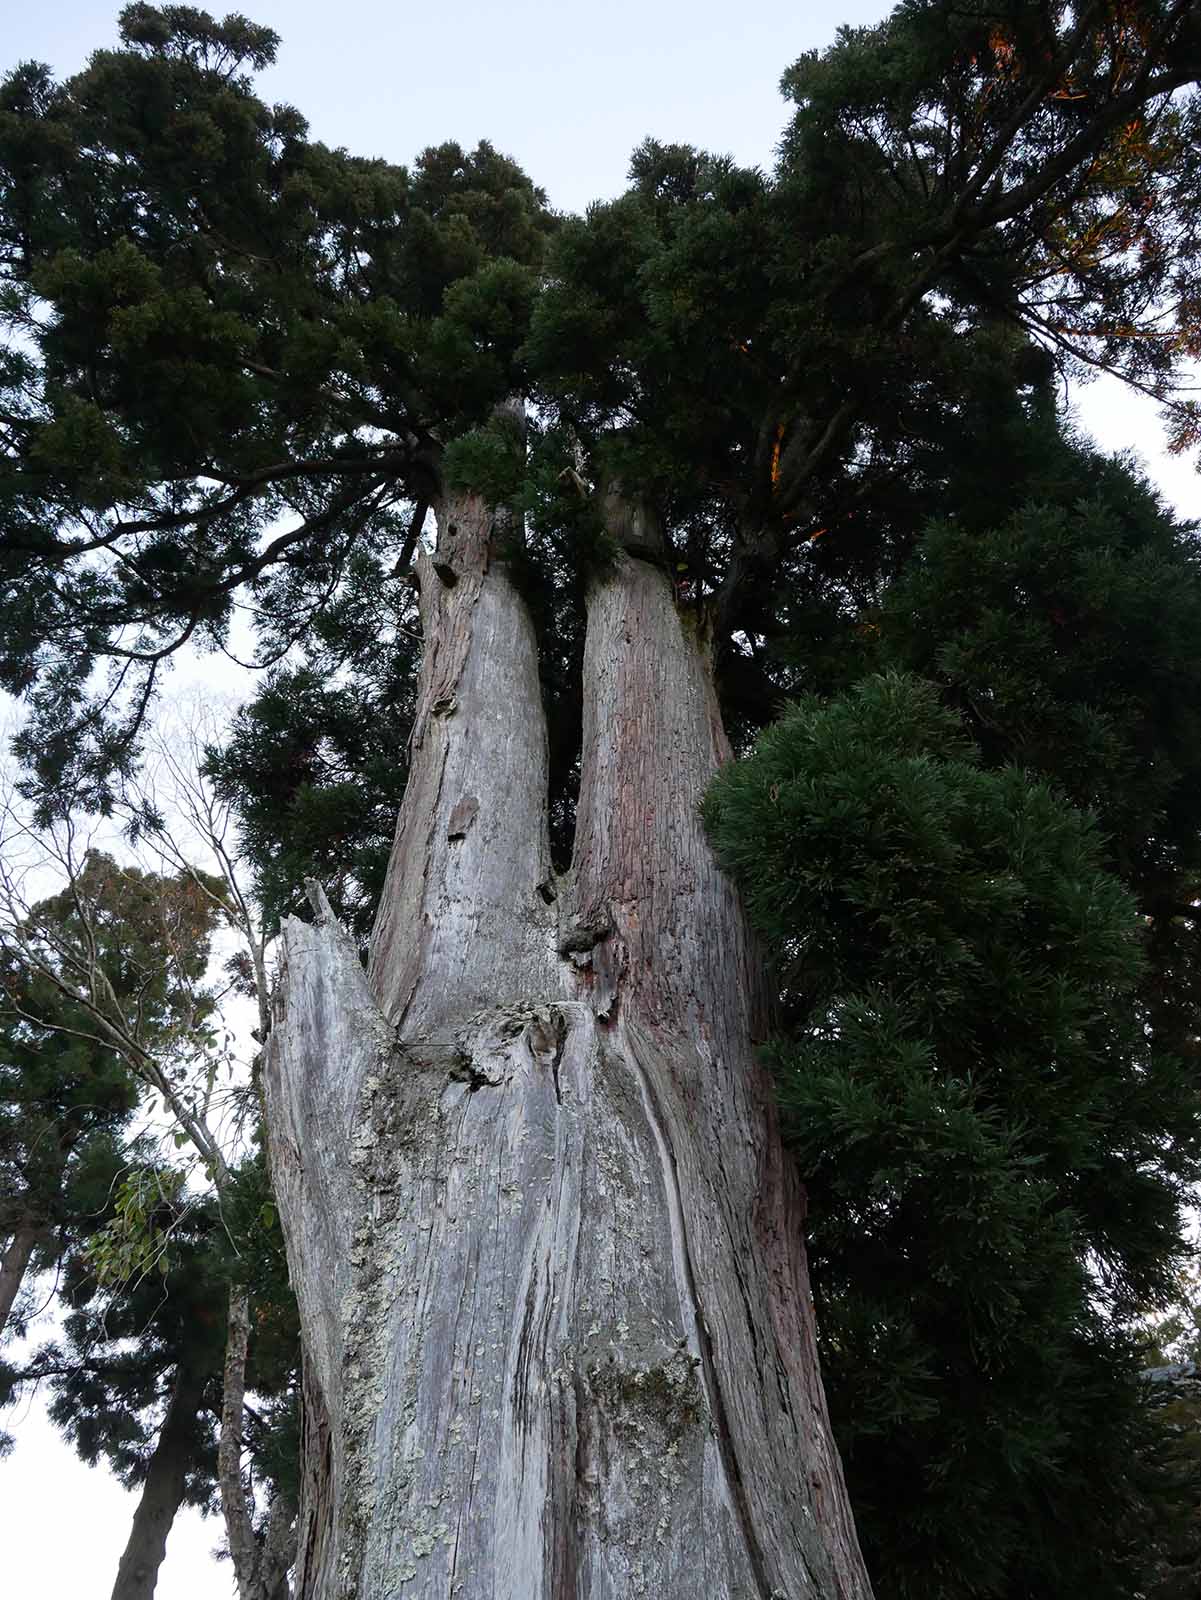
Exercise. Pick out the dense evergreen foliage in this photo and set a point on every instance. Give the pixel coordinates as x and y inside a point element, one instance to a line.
<point>1067,639</point>
<point>987,1219</point>
<point>126,1347</point>
<point>244,328</point>
<point>136,1376</point>
<point>995,1148</point>
<point>317,762</point>
<point>241,370</point>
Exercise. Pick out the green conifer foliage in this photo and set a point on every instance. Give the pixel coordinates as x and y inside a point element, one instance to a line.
<point>316,762</point>
<point>124,1344</point>
<point>232,359</point>
<point>996,1150</point>
<point>1065,634</point>
<point>64,1103</point>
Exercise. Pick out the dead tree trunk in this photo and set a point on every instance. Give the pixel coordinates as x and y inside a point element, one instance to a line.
<point>557,1326</point>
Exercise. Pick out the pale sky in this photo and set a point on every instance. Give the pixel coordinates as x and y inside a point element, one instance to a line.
<point>568,89</point>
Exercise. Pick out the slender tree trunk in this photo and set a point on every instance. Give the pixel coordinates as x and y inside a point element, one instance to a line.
<point>557,1327</point>
<point>15,1263</point>
<point>261,1562</point>
<point>236,1507</point>
<point>162,1493</point>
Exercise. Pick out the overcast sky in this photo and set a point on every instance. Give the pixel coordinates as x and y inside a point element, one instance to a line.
<point>568,89</point>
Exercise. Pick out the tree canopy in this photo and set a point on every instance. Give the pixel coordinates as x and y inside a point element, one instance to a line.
<point>892,835</point>
<point>237,357</point>
<point>311,324</point>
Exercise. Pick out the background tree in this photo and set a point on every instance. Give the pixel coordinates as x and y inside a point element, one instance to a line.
<point>63,1108</point>
<point>1063,635</point>
<point>141,987</point>
<point>996,1153</point>
<point>66,1096</point>
<point>137,1378</point>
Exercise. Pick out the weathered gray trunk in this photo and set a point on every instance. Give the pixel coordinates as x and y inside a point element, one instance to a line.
<point>162,1493</point>
<point>14,1264</point>
<point>557,1325</point>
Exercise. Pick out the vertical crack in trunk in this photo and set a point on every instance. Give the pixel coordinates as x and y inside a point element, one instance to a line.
<point>686,1276</point>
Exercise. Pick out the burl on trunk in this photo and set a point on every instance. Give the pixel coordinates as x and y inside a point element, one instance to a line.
<point>557,1326</point>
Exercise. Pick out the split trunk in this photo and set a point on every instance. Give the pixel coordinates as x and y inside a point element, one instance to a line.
<point>557,1326</point>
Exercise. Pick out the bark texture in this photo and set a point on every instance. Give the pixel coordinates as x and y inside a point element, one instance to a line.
<point>162,1493</point>
<point>558,1332</point>
<point>462,921</point>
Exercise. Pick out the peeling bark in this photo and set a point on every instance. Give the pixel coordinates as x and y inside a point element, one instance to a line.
<point>162,1493</point>
<point>557,1326</point>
